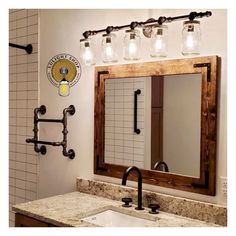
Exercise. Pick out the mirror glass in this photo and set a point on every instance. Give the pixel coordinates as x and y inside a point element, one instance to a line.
<point>154,123</point>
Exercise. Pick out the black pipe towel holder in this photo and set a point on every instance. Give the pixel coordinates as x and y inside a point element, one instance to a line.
<point>42,149</point>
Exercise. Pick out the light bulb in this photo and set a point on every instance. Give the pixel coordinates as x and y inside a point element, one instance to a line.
<point>189,41</point>
<point>132,48</point>
<point>87,53</point>
<point>158,44</point>
<point>109,51</point>
<point>64,88</point>
<point>88,57</point>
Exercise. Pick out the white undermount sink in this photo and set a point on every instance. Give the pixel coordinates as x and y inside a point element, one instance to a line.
<point>111,218</point>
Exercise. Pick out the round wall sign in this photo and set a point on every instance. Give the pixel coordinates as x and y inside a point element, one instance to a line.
<point>60,63</point>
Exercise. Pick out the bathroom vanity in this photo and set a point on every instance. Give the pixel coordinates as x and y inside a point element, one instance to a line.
<point>73,210</point>
<point>95,201</point>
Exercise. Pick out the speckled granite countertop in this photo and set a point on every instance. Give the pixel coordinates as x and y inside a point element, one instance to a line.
<point>67,210</point>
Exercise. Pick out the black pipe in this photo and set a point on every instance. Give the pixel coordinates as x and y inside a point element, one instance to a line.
<point>42,149</point>
<point>191,16</point>
<point>51,120</point>
<point>28,48</point>
<point>44,142</point>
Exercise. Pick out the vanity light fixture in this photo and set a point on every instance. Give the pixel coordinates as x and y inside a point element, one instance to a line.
<point>152,28</point>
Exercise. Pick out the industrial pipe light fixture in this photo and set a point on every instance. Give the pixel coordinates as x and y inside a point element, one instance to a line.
<point>152,28</point>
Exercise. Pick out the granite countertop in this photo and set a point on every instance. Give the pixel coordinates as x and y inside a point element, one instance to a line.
<point>68,209</point>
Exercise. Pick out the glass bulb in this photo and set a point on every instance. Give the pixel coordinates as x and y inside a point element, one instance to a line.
<point>189,41</point>
<point>109,48</point>
<point>86,52</point>
<point>159,41</point>
<point>191,38</point>
<point>132,45</point>
<point>64,88</point>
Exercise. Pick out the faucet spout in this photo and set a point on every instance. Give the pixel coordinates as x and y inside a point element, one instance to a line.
<point>159,164</point>
<point>139,174</point>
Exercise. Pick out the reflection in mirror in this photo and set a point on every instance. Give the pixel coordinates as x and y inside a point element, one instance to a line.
<point>161,123</point>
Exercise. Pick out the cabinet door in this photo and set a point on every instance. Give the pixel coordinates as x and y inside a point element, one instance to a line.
<point>25,221</point>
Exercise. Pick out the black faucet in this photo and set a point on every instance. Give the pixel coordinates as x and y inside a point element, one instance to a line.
<point>161,163</point>
<point>124,179</point>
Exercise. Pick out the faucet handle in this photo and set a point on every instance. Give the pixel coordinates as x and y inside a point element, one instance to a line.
<point>154,207</point>
<point>126,200</point>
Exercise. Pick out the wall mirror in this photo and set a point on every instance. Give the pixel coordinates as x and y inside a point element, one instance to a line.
<point>161,117</point>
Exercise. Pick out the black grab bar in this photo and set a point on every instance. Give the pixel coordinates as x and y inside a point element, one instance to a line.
<point>136,93</point>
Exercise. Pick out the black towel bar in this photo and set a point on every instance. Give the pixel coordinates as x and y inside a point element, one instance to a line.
<point>28,48</point>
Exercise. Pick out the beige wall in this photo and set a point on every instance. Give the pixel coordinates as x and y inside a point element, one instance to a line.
<point>60,31</point>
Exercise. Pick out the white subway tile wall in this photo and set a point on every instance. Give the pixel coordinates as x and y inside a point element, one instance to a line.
<point>23,98</point>
<point>122,145</point>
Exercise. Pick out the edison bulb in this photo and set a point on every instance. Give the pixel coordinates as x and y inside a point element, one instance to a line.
<point>189,41</point>
<point>132,48</point>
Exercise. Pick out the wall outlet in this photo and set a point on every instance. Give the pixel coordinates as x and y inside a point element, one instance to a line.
<point>224,186</point>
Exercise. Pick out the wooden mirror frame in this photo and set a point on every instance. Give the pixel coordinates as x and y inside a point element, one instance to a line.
<point>208,68</point>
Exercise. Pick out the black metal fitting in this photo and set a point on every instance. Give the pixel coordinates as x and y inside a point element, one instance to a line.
<point>208,66</point>
<point>161,20</point>
<point>154,208</point>
<point>192,15</point>
<point>126,200</point>
<point>109,29</point>
<point>133,25</point>
<point>208,13</point>
<point>86,34</point>
<point>28,48</point>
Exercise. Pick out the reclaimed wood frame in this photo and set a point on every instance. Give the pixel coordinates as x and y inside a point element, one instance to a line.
<point>208,67</point>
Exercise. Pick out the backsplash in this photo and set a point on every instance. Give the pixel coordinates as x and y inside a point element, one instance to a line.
<point>23,98</point>
<point>180,206</point>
